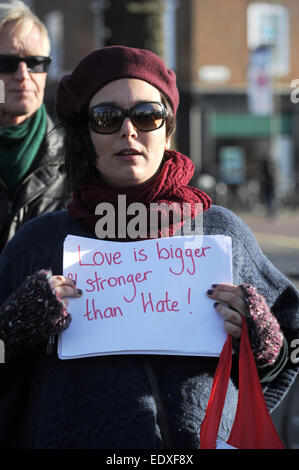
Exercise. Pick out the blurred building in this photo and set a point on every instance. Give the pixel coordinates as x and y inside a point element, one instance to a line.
<point>235,68</point>
<point>237,73</point>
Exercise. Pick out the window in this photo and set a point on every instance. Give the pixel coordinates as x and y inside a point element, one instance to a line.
<point>268,25</point>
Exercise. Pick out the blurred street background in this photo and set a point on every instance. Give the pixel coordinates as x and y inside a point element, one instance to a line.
<point>238,74</point>
<point>279,239</point>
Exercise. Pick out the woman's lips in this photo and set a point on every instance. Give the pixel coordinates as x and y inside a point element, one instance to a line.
<point>129,154</point>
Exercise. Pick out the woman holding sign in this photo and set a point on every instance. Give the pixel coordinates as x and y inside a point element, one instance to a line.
<point>118,109</point>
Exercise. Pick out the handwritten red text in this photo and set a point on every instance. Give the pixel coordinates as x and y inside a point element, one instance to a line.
<point>178,253</point>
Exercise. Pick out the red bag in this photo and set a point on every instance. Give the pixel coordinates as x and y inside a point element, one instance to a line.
<point>253,427</point>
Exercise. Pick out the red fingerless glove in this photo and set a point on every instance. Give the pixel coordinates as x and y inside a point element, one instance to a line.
<point>32,314</point>
<point>266,338</point>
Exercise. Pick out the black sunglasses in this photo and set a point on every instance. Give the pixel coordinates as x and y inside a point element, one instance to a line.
<point>35,63</point>
<point>146,116</point>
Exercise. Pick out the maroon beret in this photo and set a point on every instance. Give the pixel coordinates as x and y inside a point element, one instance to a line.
<point>105,65</point>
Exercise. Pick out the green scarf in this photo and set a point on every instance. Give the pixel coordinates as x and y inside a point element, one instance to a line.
<point>19,145</point>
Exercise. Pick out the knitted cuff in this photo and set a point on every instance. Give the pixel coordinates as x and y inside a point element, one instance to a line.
<point>32,314</point>
<point>265,336</point>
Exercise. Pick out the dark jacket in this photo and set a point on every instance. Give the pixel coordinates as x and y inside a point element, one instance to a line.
<point>106,402</point>
<point>43,189</point>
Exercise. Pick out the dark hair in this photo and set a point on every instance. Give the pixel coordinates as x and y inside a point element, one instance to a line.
<point>80,154</point>
<point>171,120</point>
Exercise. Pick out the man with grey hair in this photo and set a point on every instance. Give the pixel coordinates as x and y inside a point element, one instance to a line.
<point>32,180</point>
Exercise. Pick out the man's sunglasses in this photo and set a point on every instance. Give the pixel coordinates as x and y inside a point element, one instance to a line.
<point>35,63</point>
<point>146,116</point>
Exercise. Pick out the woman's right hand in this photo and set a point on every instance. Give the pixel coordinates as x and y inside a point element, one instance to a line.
<point>65,287</point>
<point>36,311</point>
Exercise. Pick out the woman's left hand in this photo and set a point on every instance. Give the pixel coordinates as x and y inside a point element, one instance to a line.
<point>230,304</point>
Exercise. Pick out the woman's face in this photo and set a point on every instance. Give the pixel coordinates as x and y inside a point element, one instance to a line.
<point>128,157</point>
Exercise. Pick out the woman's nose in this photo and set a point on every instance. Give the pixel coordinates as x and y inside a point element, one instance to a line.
<point>128,128</point>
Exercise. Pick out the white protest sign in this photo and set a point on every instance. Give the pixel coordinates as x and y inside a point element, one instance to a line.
<point>145,297</point>
<point>223,445</point>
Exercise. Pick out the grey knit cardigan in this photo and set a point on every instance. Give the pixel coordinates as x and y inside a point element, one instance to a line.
<point>106,402</point>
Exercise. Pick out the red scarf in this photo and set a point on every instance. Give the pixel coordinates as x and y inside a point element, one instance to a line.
<point>169,186</point>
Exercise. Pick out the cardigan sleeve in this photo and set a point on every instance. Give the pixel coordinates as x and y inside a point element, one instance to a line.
<point>252,267</point>
<point>269,347</point>
<point>32,314</point>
